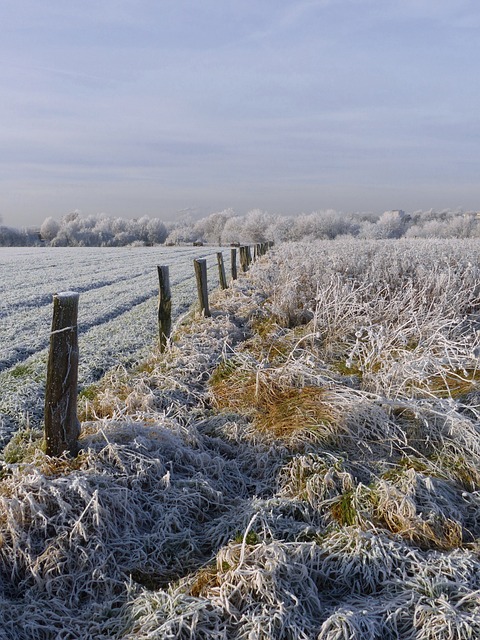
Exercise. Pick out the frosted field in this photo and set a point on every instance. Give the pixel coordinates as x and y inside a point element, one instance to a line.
<point>117,313</point>
<point>303,465</point>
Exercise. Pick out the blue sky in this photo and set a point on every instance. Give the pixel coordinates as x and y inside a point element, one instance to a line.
<point>134,107</point>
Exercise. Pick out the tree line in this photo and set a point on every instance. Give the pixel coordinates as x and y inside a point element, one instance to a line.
<point>226,227</point>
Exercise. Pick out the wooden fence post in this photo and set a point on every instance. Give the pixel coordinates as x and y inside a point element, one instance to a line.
<point>221,270</point>
<point>202,287</point>
<point>164,306</point>
<point>62,427</point>
<point>233,263</point>
<point>249,255</point>
<point>243,258</point>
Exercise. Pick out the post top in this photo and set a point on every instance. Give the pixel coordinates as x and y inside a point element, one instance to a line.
<point>67,294</point>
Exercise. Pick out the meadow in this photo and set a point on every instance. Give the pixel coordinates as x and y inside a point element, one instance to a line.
<point>302,465</point>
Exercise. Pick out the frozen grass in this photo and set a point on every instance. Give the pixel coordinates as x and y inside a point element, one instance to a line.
<point>304,464</point>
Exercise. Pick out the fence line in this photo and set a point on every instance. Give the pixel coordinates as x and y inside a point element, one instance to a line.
<point>62,427</point>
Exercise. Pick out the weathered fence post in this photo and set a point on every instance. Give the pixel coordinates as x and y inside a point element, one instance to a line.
<point>202,287</point>
<point>249,255</point>
<point>243,258</point>
<point>233,263</point>
<point>62,427</point>
<point>164,306</point>
<point>221,270</point>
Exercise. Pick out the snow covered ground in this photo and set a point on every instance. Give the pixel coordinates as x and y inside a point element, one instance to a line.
<point>117,314</point>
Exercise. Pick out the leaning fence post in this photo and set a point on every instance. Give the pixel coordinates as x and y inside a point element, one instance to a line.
<point>233,263</point>
<point>164,306</point>
<point>62,427</point>
<point>202,287</point>
<point>221,271</point>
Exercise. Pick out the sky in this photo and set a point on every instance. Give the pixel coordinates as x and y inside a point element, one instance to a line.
<point>157,107</point>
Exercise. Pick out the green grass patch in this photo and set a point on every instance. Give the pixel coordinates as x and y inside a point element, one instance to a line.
<point>343,510</point>
<point>23,445</point>
<point>89,393</point>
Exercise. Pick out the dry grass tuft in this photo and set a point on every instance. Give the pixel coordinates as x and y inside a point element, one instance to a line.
<point>454,383</point>
<point>203,581</point>
<point>403,509</point>
<point>274,405</point>
<point>273,343</point>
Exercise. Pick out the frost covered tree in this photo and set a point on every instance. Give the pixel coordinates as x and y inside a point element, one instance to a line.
<point>11,237</point>
<point>324,225</point>
<point>104,232</point>
<point>70,217</point>
<point>61,239</point>
<point>210,229</point>
<point>156,231</point>
<point>391,224</point>
<point>181,234</point>
<point>280,230</point>
<point>141,228</point>
<point>49,229</point>
<point>463,226</point>
<point>101,230</point>
<point>234,230</point>
<point>256,225</point>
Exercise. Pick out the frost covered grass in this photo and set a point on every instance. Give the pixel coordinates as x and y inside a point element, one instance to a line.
<point>304,464</point>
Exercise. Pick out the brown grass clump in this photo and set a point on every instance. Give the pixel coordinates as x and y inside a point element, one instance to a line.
<point>284,411</point>
<point>396,509</point>
<point>275,406</point>
<point>272,342</point>
<point>104,399</point>
<point>438,533</point>
<point>204,580</point>
<point>113,397</point>
<point>454,383</point>
<point>343,510</point>
<point>459,468</point>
